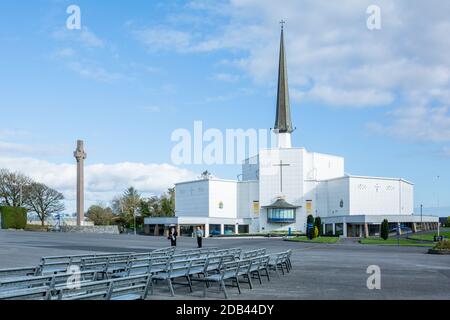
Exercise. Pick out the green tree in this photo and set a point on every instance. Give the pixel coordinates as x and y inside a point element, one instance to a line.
<point>318,224</point>
<point>168,203</point>
<point>163,206</point>
<point>126,206</point>
<point>309,230</point>
<point>384,232</point>
<point>447,224</point>
<point>206,175</point>
<point>43,201</point>
<point>100,215</point>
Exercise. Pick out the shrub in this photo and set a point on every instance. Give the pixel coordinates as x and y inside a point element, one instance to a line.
<point>309,230</point>
<point>36,228</point>
<point>384,232</point>
<point>445,244</point>
<point>318,224</point>
<point>13,217</point>
<point>315,233</point>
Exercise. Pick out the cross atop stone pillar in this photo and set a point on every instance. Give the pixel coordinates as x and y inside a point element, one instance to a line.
<point>80,156</point>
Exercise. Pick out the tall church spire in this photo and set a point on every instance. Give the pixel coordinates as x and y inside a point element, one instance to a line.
<point>283,122</point>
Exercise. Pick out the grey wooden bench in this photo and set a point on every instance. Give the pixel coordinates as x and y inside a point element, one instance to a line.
<point>130,288</point>
<point>175,270</point>
<point>228,271</point>
<point>18,272</point>
<point>40,293</point>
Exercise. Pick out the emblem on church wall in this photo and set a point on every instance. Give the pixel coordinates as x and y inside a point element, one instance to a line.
<point>220,205</point>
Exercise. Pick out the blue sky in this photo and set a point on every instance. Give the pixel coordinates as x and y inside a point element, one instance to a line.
<point>136,72</point>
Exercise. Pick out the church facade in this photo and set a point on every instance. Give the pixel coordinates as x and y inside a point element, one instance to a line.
<point>282,185</point>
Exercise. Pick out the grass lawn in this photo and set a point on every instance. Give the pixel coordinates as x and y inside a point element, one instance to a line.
<point>395,242</point>
<point>316,240</point>
<point>430,236</point>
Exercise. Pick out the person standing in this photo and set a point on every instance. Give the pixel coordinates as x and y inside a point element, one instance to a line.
<point>199,234</point>
<point>173,234</point>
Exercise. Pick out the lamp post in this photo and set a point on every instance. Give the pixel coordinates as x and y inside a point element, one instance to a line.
<point>134,214</point>
<point>439,209</point>
<point>21,193</point>
<point>421,210</point>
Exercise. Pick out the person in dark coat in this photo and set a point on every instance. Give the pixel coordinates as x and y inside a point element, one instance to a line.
<point>199,234</point>
<point>173,234</point>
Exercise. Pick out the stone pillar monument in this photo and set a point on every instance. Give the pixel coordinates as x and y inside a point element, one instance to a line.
<point>80,156</point>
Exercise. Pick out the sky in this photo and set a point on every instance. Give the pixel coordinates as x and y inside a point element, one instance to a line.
<point>138,71</point>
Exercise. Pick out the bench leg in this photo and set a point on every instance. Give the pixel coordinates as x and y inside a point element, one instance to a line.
<point>238,284</point>
<point>250,281</point>
<point>204,289</point>
<point>282,269</point>
<point>169,282</point>
<point>222,283</point>
<point>259,276</point>
<point>190,283</point>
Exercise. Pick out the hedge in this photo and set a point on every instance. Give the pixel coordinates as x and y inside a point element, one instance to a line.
<point>13,217</point>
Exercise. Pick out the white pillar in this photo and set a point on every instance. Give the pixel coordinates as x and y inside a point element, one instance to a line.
<point>222,229</point>
<point>236,228</point>
<point>80,156</point>
<point>283,140</point>
<point>334,229</point>
<point>207,230</point>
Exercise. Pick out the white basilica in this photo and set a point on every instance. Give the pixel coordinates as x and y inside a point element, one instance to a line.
<point>281,186</point>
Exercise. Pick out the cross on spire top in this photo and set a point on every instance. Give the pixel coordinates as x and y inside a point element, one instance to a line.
<point>282,22</point>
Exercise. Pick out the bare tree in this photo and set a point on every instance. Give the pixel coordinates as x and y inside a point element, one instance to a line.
<point>13,188</point>
<point>43,201</point>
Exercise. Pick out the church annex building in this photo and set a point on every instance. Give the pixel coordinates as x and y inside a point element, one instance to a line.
<point>281,186</point>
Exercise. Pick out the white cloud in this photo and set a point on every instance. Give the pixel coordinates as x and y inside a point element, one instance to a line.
<point>64,53</point>
<point>152,109</point>
<point>15,149</point>
<point>85,37</point>
<point>346,98</point>
<point>332,57</point>
<point>102,181</point>
<point>446,152</point>
<point>421,124</point>
<point>93,72</point>
<point>226,77</point>
<point>158,38</point>
<point>7,133</point>
<point>10,147</point>
<point>326,42</point>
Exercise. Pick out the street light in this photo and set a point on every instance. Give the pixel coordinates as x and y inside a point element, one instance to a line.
<point>134,214</point>
<point>439,209</point>
<point>421,219</point>
<point>21,193</point>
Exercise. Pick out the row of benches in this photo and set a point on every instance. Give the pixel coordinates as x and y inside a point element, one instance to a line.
<point>59,264</point>
<point>125,282</point>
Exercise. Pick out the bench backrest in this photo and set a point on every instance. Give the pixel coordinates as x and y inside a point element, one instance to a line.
<point>229,270</point>
<point>40,293</point>
<point>18,272</point>
<point>25,283</point>
<point>179,267</point>
<point>97,290</point>
<point>137,285</point>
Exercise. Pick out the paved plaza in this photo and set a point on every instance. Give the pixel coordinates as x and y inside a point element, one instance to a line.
<point>320,271</point>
